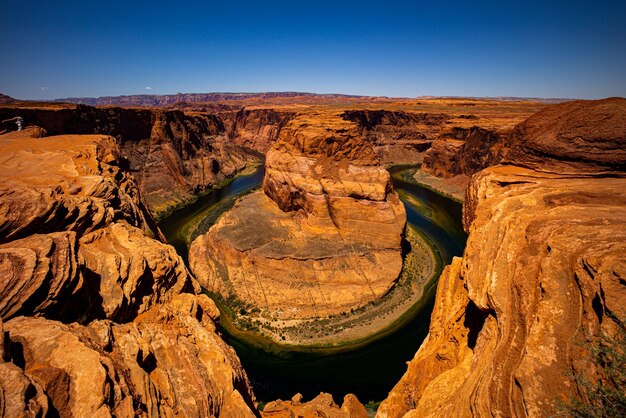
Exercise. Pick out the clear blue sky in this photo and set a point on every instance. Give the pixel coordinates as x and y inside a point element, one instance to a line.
<point>54,48</point>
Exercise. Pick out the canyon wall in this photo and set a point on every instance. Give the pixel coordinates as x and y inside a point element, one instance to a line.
<point>462,151</point>
<point>541,283</point>
<point>98,316</point>
<point>256,128</point>
<point>174,155</point>
<point>398,137</point>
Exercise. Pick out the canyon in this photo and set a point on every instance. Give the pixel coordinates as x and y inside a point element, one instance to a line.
<point>101,317</point>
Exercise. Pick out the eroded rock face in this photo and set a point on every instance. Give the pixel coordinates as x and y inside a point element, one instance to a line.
<point>79,246</point>
<point>462,151</point>
<point>541,278</point>
<point>398,137</point>
<point>169,361</point>
<point>70,182</point>
<point>98,259</point>
<point>322,405</point>
<point>184,154</point>
<point>255,128</point>
<point>174,154</point>
<point>323,238</point>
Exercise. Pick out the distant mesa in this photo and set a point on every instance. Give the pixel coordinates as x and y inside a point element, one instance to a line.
<point>171,99</point>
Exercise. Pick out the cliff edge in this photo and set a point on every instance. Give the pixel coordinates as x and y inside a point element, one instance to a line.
<point>542,279</point>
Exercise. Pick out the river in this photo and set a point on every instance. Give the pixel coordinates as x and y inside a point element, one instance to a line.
<point>369,371</point>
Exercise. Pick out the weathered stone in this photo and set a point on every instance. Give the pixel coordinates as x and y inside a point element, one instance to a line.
<point>542,277</point>
<point>322,405</point>
<point>327,240</point>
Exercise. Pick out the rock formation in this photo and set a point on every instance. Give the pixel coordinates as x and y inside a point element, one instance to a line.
<point>323,237</point>
<point>462,151</point>
<point>99,317</point>
<point>175,155</point>
<point>256,128</point>
<point>398,137</point>
<point>322,406</point>
<point>542,276</point>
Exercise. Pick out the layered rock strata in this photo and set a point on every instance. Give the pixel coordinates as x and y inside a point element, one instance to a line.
<point>398,137</point>
<point>167,362</point>
<point>322,238</point>
<point>256,128</point>
<point>173,154</point>
<point>462,151</point>
<point>99,317</point>
<point>541,280</point>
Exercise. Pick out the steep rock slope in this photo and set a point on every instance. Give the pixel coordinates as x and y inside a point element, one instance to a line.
<point>462,151</point>
<point>398,137</point>
<point>174,154</point>
<point>542,276</point>
<point>323,237</point>
<point>256,128</point>
<point>100,318</point>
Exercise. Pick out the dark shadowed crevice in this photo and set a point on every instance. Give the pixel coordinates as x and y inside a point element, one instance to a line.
<point>596,304</point>
<point>474,321</point>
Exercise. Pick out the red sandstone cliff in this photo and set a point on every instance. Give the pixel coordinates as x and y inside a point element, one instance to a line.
<point>541,279</point>
<point>257,129</point>
<point>99,318</point>
<point>174,154</point>
<point>398,137</point>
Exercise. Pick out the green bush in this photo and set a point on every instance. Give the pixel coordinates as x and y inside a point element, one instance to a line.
<point>606,396</point>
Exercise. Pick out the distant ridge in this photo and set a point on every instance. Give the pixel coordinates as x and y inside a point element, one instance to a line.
<point>157,100</point>
<point>170,99</point>
<point>551,100</point>
<point>7,99</point>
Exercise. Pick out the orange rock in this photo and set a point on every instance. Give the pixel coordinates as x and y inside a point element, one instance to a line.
<point>321,406</point>
<point>78,245</point>
<point>327,241</point>
<point>542,275</point>
<point>168,362</point>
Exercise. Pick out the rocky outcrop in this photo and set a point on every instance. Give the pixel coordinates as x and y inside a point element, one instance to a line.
<point>100,317</point>
<point>398,137</point>
<point>579,136</point>
<point>174,154</point>
<point>322,405</point>
<point>462,151</point>
<point>256,128</point>
<point>169,361</point>
<point>541,280</point>
<point>77,241</point>
<point>323,238</point>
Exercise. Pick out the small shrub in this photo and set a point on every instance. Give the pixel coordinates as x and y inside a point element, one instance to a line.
<point>606,397</point>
